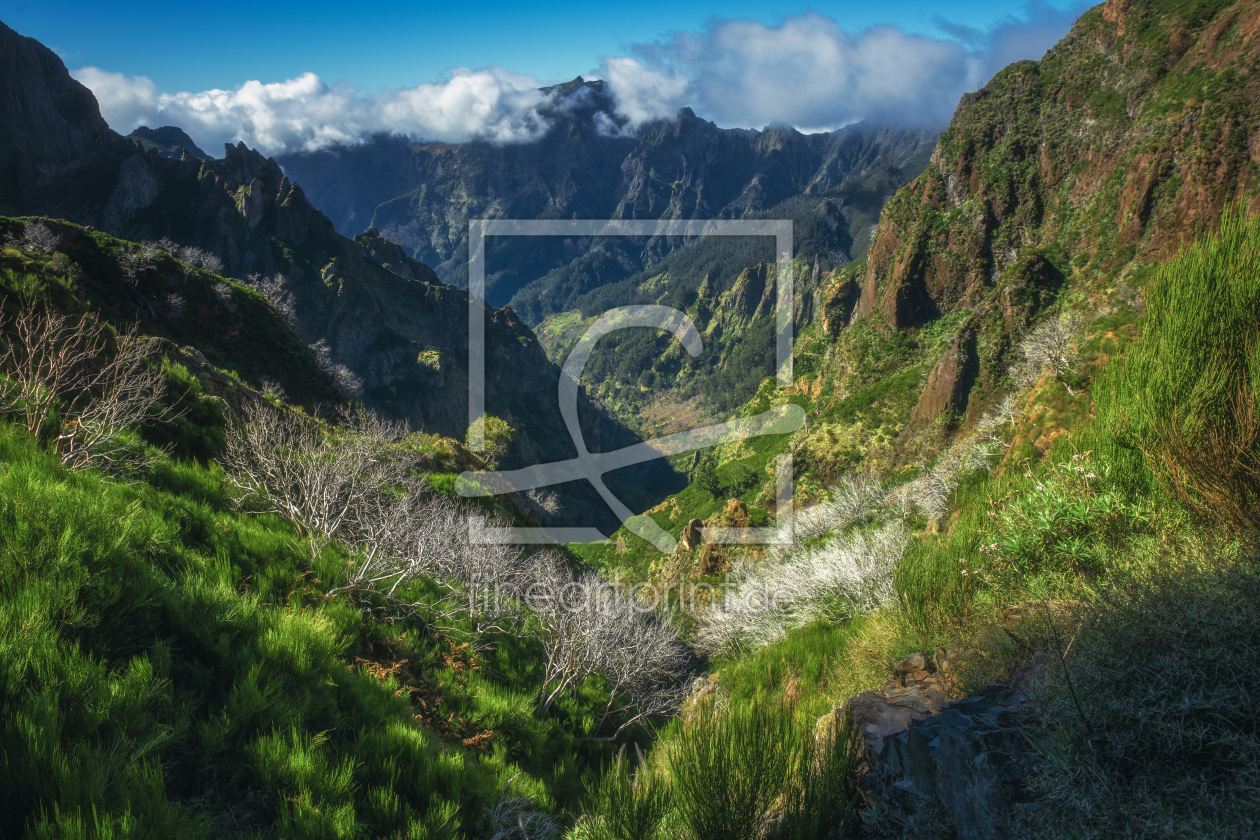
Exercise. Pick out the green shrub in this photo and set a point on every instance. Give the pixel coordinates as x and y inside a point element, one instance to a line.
<point>728,769</point>
<point>822,802</point>
<point>1189,395</point>
<point>627,804</point>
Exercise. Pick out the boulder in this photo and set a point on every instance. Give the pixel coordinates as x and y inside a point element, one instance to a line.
<point>932,759</point>
<point>692,535</point>
<point>713,560</point>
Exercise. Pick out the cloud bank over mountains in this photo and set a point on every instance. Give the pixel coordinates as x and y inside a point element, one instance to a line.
<point>807,72</point>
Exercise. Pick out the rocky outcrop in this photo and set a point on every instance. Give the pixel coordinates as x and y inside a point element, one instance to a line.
<point>935,761</point>
<point>692,536</point>
<point>918,687</point>
<point>972,370</point>
<point>169,141</point>
<point>838,297</point>
<point>1126,140</point>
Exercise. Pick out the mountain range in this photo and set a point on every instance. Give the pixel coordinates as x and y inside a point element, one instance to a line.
<point>422,195</point>
<point>1025,351</point>
<point>382,314</point>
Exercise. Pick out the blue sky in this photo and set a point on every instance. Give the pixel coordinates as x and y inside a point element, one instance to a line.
<point>193,46</point>
<point>657,55</point>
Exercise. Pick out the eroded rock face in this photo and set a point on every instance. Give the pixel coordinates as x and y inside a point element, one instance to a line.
<point>982,350</point>
<point>692,535</point>
<point>1049,152</point>
<point>931,759</point>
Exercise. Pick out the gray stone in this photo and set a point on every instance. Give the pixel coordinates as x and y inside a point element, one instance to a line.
<point>966,761</point>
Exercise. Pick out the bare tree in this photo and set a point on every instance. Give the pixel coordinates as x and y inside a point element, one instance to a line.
<point>542,502</point>
<point>348,384</point>
<point>67,377</point>
<point>397,534</point>
<point>591,628</point>
<point>271,389</point>
<point>314,478</point>
<point>852,573</point>
<point>136,261</point>
<point>930,491</point>
<point>349,484</point>
<point>1050,347</point>
<point>175,306</point>
<point>852,498</point>
<point>223,291</point>
<point>989,427</point>
<point>37,238</point>
<point>189,254</point>
<point>275,290</point>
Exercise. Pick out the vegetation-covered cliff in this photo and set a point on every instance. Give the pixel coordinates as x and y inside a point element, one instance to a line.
<point>1127,141</point>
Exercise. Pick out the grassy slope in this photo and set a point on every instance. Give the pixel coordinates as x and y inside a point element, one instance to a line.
<point>1073,544</point>
<point>172,668</point>
<point>238,332</point>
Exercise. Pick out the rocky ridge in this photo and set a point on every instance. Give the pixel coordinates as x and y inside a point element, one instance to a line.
<point>1125,141</point>
<point>423,194</point>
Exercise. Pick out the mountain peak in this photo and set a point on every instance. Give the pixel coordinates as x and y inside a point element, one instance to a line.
<point>51,131</point>
<point>169,141</point>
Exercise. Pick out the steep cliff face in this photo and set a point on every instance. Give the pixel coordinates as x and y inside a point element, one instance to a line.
<point>422,196</point>
<point>56,152</point>
<point>1125,141</point>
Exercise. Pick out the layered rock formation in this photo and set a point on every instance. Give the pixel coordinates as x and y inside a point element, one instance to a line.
<point>1127,140</point>
<point>933,761</point>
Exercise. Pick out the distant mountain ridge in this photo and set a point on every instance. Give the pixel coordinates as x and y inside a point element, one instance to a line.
<point>587,166</point>
<point>169,140</point>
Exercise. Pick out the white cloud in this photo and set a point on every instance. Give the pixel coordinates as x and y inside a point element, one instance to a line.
<point>125,100</point>
<point>807,72</point>
<point>304,113</point>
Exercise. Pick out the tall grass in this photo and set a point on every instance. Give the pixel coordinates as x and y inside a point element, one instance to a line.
<point>822,802</point>
<point>171,668</point>
<point>747,771</point>
<point>1189,395</point>
<point>729,768</point>
<point>628,805</point>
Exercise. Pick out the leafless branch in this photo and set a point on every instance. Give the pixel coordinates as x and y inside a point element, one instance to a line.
<point>1050,347</point>
<point>64,376</point>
